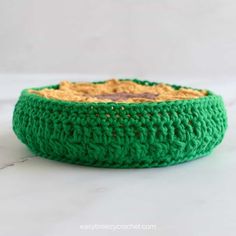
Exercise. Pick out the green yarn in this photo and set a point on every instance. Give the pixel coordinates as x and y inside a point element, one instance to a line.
<point>120,135</point>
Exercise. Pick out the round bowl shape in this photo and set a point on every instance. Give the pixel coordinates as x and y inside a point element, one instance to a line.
<point>120,135</point>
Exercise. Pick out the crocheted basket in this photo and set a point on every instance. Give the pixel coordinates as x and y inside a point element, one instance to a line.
<point>120,135</point>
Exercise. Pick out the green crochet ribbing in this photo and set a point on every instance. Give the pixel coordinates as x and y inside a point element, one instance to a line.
<point>120,135</point>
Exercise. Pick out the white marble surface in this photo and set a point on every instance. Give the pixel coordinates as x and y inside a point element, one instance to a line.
<point>45,198</point>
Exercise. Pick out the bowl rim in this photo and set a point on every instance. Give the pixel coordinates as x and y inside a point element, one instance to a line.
<point>210,97</point>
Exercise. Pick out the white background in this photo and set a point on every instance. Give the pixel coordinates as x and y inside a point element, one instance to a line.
<point>185,38</point>
<point>187,42</point>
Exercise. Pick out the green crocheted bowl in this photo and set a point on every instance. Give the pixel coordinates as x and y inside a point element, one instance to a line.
<point>120,135</point>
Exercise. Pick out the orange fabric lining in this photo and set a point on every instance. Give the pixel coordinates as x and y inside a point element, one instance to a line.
<point>114,90</point>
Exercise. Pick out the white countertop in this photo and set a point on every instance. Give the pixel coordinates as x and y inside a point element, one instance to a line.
<point>40,197</point>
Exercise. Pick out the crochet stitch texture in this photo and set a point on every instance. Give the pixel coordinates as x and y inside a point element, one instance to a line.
<point>120,135</point>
